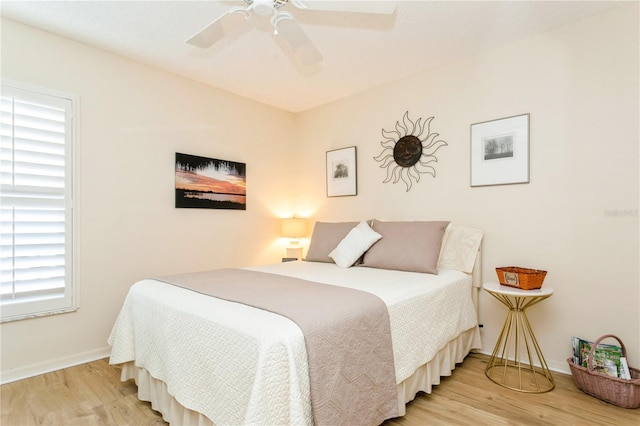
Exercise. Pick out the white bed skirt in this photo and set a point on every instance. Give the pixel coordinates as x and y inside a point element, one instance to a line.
<point>156,392</point>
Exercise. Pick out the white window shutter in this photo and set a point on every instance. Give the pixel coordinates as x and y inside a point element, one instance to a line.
<point>36,203</point>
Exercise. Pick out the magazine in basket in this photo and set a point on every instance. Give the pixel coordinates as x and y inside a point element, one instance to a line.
<point>606,358</point>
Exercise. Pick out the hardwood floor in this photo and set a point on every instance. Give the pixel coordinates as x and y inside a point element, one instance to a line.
<point>88,394</point>
<point>467,397</point>
<point>92,394</point>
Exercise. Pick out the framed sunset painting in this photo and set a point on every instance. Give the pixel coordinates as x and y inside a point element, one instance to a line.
<point>209,183</point>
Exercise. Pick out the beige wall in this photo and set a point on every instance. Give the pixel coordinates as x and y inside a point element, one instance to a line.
<point>133,118</point>
<point>580,85</point>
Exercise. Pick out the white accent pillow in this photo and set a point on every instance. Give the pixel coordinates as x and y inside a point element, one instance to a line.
<point>460,249</point>
<point>326,236</point>
<point>357,241</point>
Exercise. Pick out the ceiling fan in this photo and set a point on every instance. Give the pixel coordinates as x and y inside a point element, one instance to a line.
<point>283,22</point>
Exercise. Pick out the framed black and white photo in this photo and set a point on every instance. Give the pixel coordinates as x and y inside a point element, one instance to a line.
<point>341,172</point>
<point>500,151</point>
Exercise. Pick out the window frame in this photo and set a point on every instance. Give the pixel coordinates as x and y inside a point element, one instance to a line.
<point>71,301</point>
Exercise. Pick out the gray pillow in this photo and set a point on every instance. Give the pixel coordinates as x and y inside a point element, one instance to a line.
<point>326,237</point>
<point>407,246</point>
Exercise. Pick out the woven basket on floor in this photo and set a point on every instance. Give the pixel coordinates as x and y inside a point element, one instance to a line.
<point>621,392</point>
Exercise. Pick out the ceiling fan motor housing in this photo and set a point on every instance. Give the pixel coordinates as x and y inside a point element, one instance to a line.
<point>266,7</point>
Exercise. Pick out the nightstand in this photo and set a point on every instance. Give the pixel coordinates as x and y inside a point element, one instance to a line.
<point>509,366</point>
<point>294,253</point>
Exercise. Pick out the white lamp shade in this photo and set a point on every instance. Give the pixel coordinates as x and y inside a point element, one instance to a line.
<point>294,227</point>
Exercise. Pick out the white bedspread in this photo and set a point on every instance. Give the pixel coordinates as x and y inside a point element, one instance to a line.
<point>254,368</point>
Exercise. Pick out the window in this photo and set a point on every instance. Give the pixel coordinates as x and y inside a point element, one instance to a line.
<point>36,202</point>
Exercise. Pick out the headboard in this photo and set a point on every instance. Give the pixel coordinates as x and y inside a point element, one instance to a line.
<point>476,279</point>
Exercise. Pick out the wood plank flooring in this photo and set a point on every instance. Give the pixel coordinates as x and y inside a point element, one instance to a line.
<point>92,394</point>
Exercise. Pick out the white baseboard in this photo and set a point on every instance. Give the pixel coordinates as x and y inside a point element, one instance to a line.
<point>558,367</point>
<point>48,366</point>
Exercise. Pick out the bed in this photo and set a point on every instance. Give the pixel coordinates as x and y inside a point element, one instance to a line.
<point>204,360</point>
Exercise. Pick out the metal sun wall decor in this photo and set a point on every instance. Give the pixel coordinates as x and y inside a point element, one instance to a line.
<point>409,150</point>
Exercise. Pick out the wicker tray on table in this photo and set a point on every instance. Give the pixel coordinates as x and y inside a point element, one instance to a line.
<point>523,278</point>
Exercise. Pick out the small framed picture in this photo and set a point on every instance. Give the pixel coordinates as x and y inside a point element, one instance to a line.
<point>341,172</point>
<point>500,151</point>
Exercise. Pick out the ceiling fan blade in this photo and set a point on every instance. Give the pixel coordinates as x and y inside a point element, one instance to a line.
<point>358,6</point>
<point>302,47</point>
<point>215,31</point>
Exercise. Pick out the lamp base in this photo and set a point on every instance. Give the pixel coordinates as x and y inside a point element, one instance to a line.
<point>295,252</point>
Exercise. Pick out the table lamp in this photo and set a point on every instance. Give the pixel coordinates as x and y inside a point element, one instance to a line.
<point>294,228</point>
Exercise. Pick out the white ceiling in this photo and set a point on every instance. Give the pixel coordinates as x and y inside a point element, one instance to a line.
<point>360,51</point>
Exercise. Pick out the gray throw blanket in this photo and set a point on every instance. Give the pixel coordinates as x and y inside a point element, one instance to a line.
<point>347,336</point>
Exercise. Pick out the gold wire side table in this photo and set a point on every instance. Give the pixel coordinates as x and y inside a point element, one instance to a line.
<point>509,366</point>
